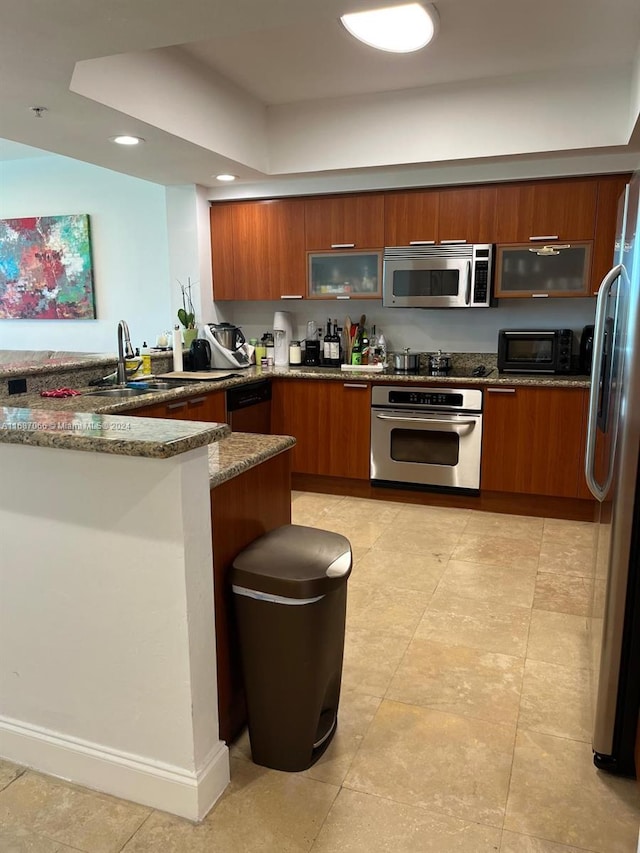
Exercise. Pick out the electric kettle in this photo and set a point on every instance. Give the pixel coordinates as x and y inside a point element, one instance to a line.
<point>200,352</point>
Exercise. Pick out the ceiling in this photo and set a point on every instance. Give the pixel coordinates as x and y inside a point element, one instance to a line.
<point>270,89</point>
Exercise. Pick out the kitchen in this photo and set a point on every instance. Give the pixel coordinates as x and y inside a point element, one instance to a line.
<point>78,186</point>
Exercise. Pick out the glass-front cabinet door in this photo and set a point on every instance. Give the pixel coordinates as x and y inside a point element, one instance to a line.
<point>344,275</point>
<point>562,269</point>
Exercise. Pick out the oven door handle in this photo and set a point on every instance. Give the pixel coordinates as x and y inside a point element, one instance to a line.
<point>437,422</point>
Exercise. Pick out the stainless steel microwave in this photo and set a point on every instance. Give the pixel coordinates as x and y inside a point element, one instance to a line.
<point>437,276</point>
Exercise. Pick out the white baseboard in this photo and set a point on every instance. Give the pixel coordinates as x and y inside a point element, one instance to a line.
<point>152,783</point>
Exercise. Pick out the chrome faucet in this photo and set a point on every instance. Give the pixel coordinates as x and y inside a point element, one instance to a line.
<point>125,350</point>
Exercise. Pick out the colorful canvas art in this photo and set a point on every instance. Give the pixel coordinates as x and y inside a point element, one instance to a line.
<point>45,268</point>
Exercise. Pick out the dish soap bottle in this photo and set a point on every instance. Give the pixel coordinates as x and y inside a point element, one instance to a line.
<point>146,359</point>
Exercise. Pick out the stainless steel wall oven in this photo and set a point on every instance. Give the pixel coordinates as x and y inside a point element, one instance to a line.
<point>426,437</point>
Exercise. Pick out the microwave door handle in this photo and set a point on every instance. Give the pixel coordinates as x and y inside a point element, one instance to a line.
<point>468,295</point>
<point>599,491</point>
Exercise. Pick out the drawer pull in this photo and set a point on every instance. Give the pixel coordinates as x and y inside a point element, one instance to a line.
<point>422,242</point>
<point>545,237</point>
<point>343,245</point>
<point>451,242</point>
<point>196,400</point>
<point>291,296</point>
<point>181,405</point>
<point>539,295</point>
<point>343,297</point>
<point>353,385</point>
<point>501,390</point>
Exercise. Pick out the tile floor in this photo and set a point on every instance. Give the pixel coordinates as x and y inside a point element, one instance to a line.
<point>464,722</point>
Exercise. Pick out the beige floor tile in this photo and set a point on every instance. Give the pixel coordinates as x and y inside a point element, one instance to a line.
<point>432,539</point>
<point>494,627</point>
<point>566,558</point>
<point>559,638</point>
<point>446,762</point>
<point>557,794</point>
<point>501,524</point>
<point>370,660</point>
<point>433,517</point>
<point>23,841</point>
<point>496,550</point>
<point>9,772</point>
<point>380,512</point>
<point>262,811</point>
<point>459,680</point>
<point>355,714</point>
<point>577,532</point>
<point>556,700</point>
<point>498,584</point>
<point>359,822</point>
<point>391,611</point>
<point>361,533</point>
<point>513,842</point>
<point>401,569</point>
<point>69,814</point>
<point>309,508</point>
<point>563,593</point>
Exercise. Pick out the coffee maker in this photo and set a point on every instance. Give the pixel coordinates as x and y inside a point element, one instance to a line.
<point>282,337</point>
<point>228,345</point>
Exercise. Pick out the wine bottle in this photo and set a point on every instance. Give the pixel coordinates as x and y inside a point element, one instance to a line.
<point>335,346</point>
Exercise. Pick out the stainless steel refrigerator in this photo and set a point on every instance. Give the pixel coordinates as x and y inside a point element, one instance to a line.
<point>611,470</point>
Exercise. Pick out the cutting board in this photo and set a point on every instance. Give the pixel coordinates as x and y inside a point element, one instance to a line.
<point>207,375</point>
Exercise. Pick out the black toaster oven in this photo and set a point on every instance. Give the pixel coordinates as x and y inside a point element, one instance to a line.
<point>535,351</point>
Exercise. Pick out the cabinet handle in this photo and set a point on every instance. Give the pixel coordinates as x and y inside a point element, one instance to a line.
<point>501,390</point>
<point>539,295</point>
<point>422,242</point>
<point>291,296</point>
<point>545,237</point>
<point>449,242</point>
<point>343,245</point>
<point>343,297</point>
<point>196,400</point>
<point>353,385</point>
<point>181,405</point>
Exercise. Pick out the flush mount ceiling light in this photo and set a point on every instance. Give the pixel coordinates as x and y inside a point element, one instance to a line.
<point>225,177</point>
<point>399,29</point>
<point>127,140</point>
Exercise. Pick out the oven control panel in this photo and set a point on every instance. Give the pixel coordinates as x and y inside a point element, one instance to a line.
<point>451,399</point>
<point>426,398</point>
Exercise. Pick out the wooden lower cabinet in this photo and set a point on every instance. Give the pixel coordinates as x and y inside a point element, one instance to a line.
<point>242,509</point>
<point>331,422</point>
<point>209,407</point>
<point>533,441</point>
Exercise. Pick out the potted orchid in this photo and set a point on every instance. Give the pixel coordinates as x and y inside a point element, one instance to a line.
<point>187,314</point>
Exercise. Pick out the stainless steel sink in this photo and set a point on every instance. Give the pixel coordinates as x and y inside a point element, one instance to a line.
<point>158,384</point>
<point>119,392</point>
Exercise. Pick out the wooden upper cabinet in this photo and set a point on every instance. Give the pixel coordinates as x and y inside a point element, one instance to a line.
<point>555,210</point>
<point>468,214</point>
<point>269,258</point>
<point>221,225</point>
<point>610,191</point>
<point>344,222</point>
<point>411,217</point>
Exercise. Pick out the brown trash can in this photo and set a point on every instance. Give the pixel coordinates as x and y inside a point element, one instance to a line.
<point>290,594</point>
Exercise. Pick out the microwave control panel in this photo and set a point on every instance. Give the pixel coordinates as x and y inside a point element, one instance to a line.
<point>481,278</point>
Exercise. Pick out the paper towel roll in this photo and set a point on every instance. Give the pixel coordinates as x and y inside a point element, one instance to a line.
<point>177,349</point>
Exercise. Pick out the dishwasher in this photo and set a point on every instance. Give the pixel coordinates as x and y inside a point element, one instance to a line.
<point>249,407</point>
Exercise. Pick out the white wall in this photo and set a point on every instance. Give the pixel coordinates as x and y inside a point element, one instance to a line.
<point>422,330</point>
<point>129,246</point>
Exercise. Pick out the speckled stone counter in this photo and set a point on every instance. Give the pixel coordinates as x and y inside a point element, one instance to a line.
<point>152,438</point>
<point>241,451</point>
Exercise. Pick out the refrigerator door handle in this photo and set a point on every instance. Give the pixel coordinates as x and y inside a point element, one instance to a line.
<point>599,491</point>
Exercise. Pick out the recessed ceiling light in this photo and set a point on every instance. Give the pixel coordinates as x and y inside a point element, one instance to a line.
<point>399,29</point>
<point>127,140</point>
<point>225,177</point>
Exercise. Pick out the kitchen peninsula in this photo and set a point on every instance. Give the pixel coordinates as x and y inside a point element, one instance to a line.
<point>108,546</point>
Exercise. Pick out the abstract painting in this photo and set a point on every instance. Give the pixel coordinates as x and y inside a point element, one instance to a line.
<point>45,268</point>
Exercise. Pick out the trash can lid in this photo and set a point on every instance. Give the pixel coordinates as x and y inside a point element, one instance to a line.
<point>294,562</point>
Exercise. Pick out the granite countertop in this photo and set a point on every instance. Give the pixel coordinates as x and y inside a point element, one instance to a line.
<point>158,439</point>
<point>241,451</point>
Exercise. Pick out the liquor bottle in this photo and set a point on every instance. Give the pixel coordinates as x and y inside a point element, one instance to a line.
<point>326,346</point>
<point>335,345</point>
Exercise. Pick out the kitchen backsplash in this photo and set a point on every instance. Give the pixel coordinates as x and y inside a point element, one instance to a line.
<point>423,330</point>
